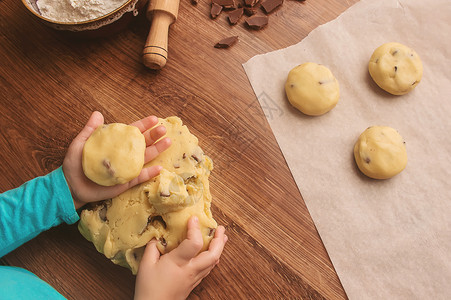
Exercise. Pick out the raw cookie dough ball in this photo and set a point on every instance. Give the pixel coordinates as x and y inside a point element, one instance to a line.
<point>160,208</point>
<point>395,68</point>
<point>312,88</point>
<point>380,152</point>
<point>114,154</point>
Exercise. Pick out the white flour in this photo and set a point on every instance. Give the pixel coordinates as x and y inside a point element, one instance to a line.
<point>76,10</point>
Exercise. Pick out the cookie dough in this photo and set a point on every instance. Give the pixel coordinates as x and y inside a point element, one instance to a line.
<point>114,154</point>
<point>380,152</point>
<point>312,88</point>
<point>395,68</point>
<point>160,208</point>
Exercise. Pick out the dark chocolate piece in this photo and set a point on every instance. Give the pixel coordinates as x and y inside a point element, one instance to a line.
<point>215,10</point>
<point>225,3</point>
<point>271,5</point>
<point>250,3</point>
<point>257,22</point>
<point>250,11</point>
<point>235,15</point>
<point>227,42</point>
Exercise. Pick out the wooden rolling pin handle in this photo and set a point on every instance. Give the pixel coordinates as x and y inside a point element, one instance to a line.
<point>155,52</point>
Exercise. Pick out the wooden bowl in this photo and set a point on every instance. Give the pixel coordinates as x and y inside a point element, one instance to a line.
<point>101,26</point>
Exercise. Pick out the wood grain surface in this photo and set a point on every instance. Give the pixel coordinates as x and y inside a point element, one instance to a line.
<point>50,82</point>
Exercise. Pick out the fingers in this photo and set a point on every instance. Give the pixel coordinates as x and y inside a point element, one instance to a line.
<point>146,123</point>
<point>151,254</point>
<point>94,121</point>
<point>157,148</point>
<point>154,134</point>
<point>191,246</point>
<point>145,175</point>
<point>208,259</point>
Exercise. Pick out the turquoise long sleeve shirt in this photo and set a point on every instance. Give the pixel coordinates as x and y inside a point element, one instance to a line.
<point>26,211</point>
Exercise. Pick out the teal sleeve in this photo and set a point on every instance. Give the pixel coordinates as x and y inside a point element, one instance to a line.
<point>17,283</point>
<point>34,207</point>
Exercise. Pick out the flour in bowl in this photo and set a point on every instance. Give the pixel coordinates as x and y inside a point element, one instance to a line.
<point>76,10</point>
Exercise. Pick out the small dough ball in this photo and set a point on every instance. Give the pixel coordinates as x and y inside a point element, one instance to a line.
<point>395,68</point>
<point>114,154</point>
<point>380,152</point>
<point>312,88</point>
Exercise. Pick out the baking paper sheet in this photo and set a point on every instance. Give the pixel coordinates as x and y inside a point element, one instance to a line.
<point>387,239</point>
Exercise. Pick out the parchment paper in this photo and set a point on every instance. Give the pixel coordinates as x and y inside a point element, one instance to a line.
<point>388,239</point>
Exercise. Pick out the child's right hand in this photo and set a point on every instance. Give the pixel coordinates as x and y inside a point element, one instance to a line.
<point>175,274</point>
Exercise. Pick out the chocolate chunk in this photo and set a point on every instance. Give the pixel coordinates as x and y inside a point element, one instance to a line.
<point>235,15</point>
<point>102,213</point>
<point>270,5</point>
<point>195,157</point>
<point>184,155</point>
<point>227,42</point>
<point>396,68</point>
<point>215,10</point>
<point>257,22</point>
<point>163,242</point>
<point>154,220</point>
<point>165,194</point>
<point>367,160</point>
<point>212,232</point>
<point>107,164</point>
<point>250,11</point>
<point>225,3</point>
<point>250,2</point>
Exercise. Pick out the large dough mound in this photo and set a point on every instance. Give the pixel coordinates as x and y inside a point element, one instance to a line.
<point>160,208</point>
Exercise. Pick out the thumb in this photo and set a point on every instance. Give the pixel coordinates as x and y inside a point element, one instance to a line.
<point>151,254</point>
<point>193,243</point>
<point>94,121</point>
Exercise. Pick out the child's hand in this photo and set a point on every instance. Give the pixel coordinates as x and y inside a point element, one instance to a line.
<point>175,274</point>
<point>84,190</point>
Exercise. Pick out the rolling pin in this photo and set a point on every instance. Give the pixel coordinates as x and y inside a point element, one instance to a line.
<point>161,13</point>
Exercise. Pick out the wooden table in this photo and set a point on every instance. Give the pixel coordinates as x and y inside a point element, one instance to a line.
<point>49,85</point>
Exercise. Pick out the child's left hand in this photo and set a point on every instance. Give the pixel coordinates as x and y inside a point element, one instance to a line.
<point>84,190</point>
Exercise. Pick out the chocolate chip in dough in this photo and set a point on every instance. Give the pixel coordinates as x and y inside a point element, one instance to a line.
<point>155,220</point>
<point>102,213</point>
<point>212,232</point>
<point>107,164</point>
<point>163,242</point>
<point>165,194</point>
